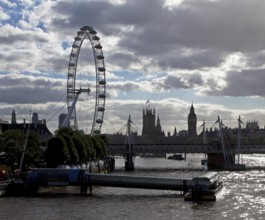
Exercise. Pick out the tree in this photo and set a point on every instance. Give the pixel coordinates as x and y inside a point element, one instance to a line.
<point>91,152</point>
<point>81,148</point>
<point>65,131</point>
<point>99,146</point>
<point>57,152</point>
<point>74,156</point>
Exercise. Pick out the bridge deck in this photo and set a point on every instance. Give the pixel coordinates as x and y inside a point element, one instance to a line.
<point>138,149</point>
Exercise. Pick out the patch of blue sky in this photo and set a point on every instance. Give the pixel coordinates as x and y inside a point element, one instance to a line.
<point>16,11</point>
<point>52,75</point>
<point>4,72</point>
<point>226,101</point>
<point>66,44</point>
<point>14,14</point>
<point>128,75</point>
<point>41,26</point>
<point>187,95</point>
<point>142,95</point>
<point>246,103</point>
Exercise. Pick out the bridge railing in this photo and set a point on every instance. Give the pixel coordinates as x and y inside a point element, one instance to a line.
<point>117,149</point>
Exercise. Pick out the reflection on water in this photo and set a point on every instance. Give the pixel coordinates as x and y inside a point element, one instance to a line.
<point>243,196</point>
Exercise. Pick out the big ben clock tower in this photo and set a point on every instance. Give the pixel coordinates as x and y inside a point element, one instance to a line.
<point>192,123</point>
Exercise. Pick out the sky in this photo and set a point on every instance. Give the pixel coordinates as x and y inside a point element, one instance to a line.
<point>174,53</point>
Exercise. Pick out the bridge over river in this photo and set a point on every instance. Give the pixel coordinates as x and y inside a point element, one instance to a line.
<point>218,155</point>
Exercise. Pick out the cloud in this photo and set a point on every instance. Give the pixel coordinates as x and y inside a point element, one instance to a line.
<point>18,89</point>
<point>3,16</point>
<point>243,83</point>
<point>207,50</point>
<point>8,3</point>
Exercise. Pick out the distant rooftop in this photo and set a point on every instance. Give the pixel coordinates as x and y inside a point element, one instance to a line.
<point>3,121</point>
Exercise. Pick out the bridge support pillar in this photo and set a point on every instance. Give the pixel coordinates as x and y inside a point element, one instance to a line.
<point>129,163</point>
<point>217,161</point>
<point>83,189</point>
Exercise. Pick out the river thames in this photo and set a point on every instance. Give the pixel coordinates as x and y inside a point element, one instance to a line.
<point>243,196</point>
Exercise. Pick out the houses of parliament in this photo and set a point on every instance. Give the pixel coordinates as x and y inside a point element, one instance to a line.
<point>152,131</point>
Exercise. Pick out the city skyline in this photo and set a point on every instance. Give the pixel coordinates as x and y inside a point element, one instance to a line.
<point>154,123</point>
<point>173,53</point>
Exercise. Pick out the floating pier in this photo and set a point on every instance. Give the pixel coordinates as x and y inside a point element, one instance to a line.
<point>197,188</point>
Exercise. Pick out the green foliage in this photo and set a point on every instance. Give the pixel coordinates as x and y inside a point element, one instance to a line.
<point>99,146</point>
<point>81,148</point>
<point>91,152</point>
<point>15,135</point>
<point>73,153</point>
<point>65,131</point>
<point>13,142</point>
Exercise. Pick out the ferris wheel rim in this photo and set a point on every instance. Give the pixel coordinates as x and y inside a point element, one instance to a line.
<point>88,33</point>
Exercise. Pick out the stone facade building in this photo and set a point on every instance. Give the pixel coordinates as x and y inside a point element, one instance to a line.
<point>152,129</point>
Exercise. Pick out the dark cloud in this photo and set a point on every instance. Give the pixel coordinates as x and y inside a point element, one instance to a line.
<point>255,59</point>
<point>195,80</point>
<point>197,36</point>
<point>124,87</point>
<point>210,29</point>
<point>196,60</point>
<point>176,82</point>
<point>17,36</point>
<point>173,82</point>
<point>122,60</point>
<point>244,83</point>
<point>30,90</point>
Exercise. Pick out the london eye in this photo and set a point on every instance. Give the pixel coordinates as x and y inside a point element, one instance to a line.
<point>86,81</point>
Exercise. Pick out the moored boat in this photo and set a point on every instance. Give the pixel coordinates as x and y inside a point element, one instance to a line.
<point>5,181</point>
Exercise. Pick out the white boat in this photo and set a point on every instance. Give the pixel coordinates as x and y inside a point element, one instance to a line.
<point>3,185</point>
<point>5,180</point>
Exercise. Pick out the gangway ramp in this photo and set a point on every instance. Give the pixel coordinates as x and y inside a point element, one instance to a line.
<point>163,183</point>
<point>85,179</point>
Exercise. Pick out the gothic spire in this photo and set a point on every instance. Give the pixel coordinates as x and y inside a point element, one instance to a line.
<point>13,119</point>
